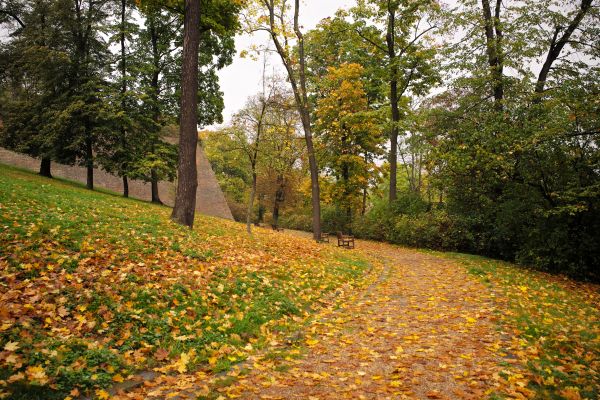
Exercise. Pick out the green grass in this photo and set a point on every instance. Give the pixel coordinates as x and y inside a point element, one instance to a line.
<point>554,323</point>
<point>96,286</point>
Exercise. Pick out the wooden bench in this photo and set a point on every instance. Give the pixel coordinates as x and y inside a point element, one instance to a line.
<point>345,240</point>
<point>324,238</point>
<point>276,228</point>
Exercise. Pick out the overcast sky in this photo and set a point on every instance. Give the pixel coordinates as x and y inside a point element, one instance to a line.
<point>242,78</point>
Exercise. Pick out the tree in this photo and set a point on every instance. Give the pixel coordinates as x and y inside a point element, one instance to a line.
<point>187,176</point>
<point>283,149</point>
<point>119,157</point>
<point>349,133</point>
<point>203,39</point>
<point>248,129</point>
<point>516,153</point>
<point>57,70</point>
<point>272,17</point>
<point>408,53</point>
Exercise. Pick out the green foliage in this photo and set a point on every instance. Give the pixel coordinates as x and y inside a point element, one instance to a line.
<point>72,93</point>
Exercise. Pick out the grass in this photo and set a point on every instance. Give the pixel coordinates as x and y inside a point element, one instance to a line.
<point>553,325</point>
<point>95,287</point>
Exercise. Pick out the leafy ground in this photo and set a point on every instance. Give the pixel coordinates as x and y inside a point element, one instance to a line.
<point>551,327</point>
<point>95,288</point>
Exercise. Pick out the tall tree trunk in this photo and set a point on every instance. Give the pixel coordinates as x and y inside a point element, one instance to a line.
<point>346,179</point>
<point>251,203</point>
<point>279,195</point>
<point>154,94</point>
<point>363,210</point>
<point>494,36</point>
<point>123,92</point>
<point>187,174</point>
<point>89,162</point>
<point>314,178</point>
<point>312,160</point>
<point>125,186</point>
<point>45,167</point>
<point>154,187</point>
<point>393,157</point>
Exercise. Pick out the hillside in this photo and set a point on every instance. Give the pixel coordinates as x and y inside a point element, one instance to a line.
<point>95,287</point>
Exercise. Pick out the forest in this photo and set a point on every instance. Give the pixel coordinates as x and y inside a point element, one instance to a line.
<point>465,125</point>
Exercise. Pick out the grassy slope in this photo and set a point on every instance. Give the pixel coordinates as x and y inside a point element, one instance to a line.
<point>94,287</point>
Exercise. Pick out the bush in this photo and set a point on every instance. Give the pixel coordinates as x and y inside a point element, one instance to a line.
<point>299,221</point>
<point>408,222</point>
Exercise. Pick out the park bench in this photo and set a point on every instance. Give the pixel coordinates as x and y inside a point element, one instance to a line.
<point>276,228</point>
<point>345,240</point>
<point>324,237</point>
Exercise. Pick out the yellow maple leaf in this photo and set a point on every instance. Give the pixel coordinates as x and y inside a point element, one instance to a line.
<point>118,378</point>
<point>102,394</point>
<point>11,346</point>
<point>181,364</point>
<point>37,374</point>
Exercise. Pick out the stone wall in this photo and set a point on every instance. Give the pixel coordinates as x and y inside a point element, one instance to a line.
<point>209,197</point>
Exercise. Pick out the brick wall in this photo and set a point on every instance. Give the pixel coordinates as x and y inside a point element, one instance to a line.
<point>209,197</point>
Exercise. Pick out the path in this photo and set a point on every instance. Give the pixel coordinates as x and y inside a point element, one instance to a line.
<point>424,330</point>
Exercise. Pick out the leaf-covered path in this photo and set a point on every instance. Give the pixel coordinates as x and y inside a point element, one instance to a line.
<point>423,329</point>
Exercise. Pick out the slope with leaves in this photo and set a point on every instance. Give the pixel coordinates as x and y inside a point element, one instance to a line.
<point>94,287</point>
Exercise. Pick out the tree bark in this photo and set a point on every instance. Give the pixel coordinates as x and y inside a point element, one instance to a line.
<point>123,92</point>
<point>89,162</point>
<point>154,187</point>
<point>393,157</point>
<point>494,36</point>
<point>45,167</point>
<point>279,195</point>
<point>251,204</point>
<point>557,44</point>
<point>187,174</point>
<point>312,160</point>
<point>363,210</point>
<point>154,93</point>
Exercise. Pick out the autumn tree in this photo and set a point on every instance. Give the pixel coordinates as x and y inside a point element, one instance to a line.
<point>248,128</point>
<point>350,134</point>
<point>283,149</point>
<point>273,17</point>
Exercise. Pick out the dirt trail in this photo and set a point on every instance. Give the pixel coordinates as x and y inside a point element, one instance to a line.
<point>424,330</point>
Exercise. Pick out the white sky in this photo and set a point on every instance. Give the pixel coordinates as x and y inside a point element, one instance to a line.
<point>242,78</point>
